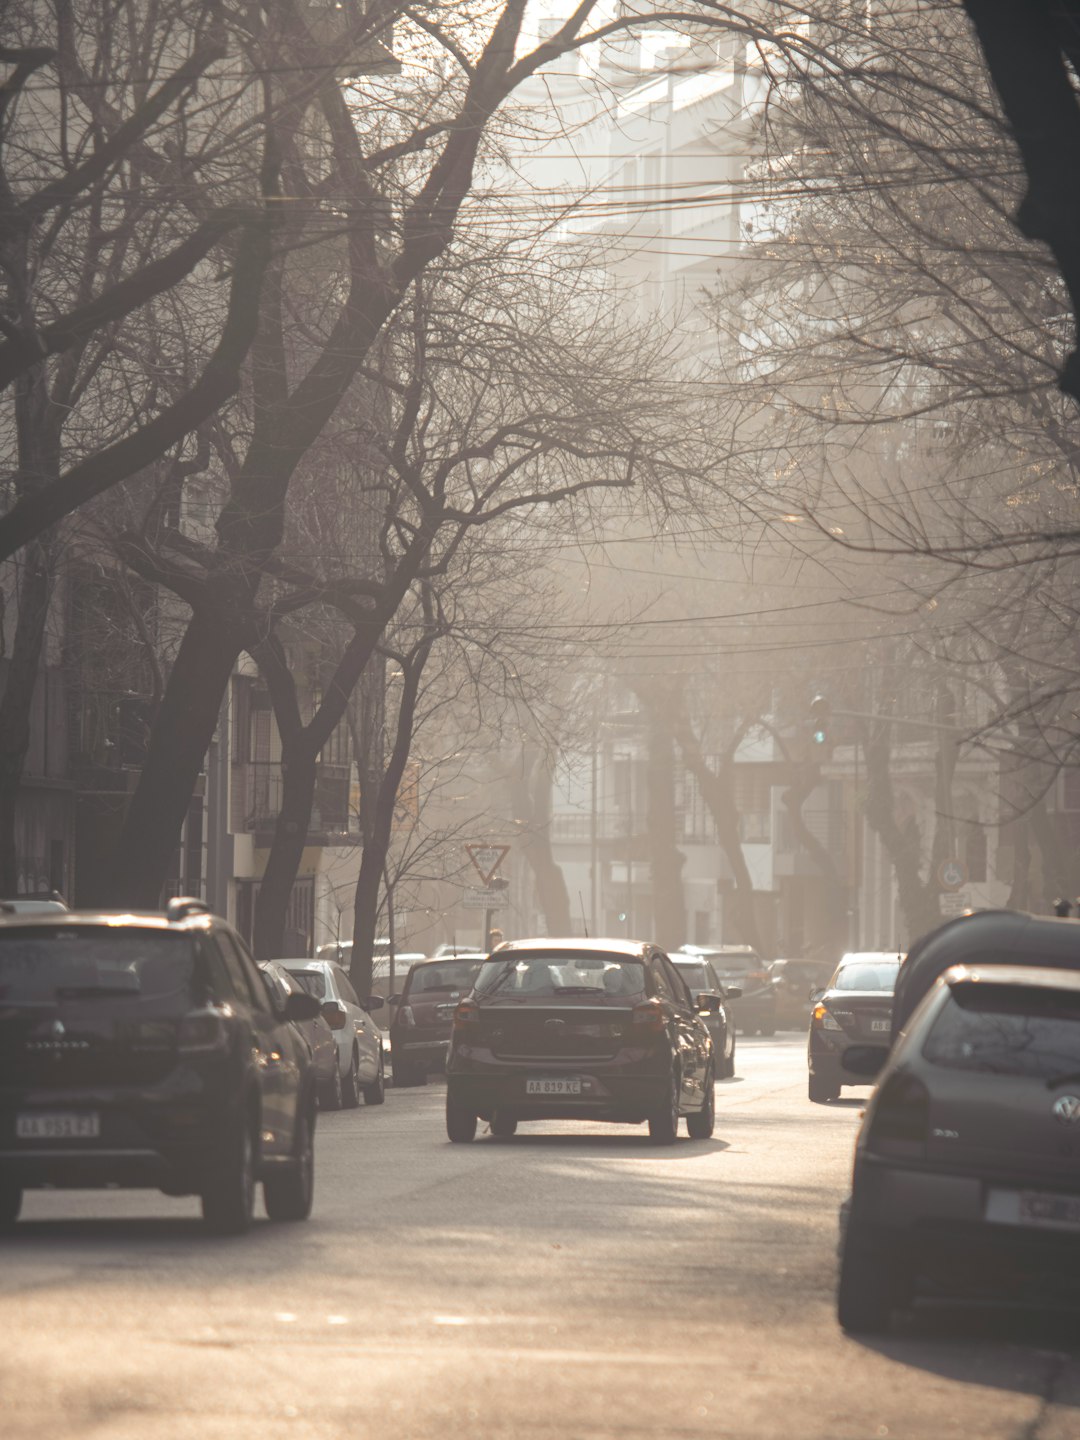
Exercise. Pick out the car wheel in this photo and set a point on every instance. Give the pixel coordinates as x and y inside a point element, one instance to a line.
<point>868,1291</point>
<point>703,1122</point>
<point>460,1121</point>
<point>664,1122</point>
<point>503,1124</point>
<point>10,1203</point>
<point>330,1096</point>
<point>228,1199</point>
<point>375,1093</point>
<point>404,1076</point>
<point>288,1193</point>
<point>350,1089</point>
<point>727,1065</point>
<point>822,1090</point>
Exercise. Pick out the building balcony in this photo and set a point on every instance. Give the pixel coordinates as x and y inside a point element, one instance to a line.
<point>260,793</point>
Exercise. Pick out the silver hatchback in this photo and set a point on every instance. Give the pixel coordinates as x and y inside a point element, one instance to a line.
<point>967,1166</point>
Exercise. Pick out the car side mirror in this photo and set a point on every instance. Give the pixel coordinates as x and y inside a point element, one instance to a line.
<point>301,1006</point>
<point>395,999</point>
<point>732,992</point>
<point>335,1014</point>
<point>374,1002</point>
<point>865,1060</point>
<point>815,995</point>
<point>707,1002</point>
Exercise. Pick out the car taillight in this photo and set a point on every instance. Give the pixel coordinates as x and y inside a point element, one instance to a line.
<point>822,1017</point>
<point>205,1030</point>
<point>466,1013</point>
<point>649,1016</point>
<point>404,1017</point>
<point>759,977</point>
<point>901,1116</point>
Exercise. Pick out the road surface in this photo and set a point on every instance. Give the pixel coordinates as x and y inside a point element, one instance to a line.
<point>571,1284</point>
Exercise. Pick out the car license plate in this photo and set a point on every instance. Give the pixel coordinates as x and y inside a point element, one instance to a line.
<point>879,1024</point>
<point>1034,1207</point>
<point>553,1087</point>
<point>58,1125</point>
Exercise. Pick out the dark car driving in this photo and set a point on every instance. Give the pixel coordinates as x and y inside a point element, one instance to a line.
<point>580,1030</point>
<point>421,1023</point>
<point>146,1050</point>
<point>741,967</point>
<point>701,978</point>
<point>966,1185</point>
<point>855,1007</point>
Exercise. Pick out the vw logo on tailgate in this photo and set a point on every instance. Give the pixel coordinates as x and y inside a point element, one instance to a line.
<point>556,1027</point>
<point>1067,1109</point>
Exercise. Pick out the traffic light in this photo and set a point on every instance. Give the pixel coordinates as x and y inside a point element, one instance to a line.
<point>820,716</point>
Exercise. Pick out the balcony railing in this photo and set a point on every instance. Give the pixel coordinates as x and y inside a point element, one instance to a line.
<point>330,811</point>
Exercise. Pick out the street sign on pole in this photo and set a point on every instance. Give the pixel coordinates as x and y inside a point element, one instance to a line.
<point>955,902</point>
<point>952,874</point>
<point>486,859</point>
<point>484,899</point>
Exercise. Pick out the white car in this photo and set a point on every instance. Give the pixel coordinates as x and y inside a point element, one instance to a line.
<point>361,1064</point>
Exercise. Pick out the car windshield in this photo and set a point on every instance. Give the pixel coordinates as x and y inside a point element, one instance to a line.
<point>446,976</point>
<point>879,975</point>
<point>1008,1030</point>
<point>547,977</point>
<point>697,974</point>
<point>91,965</point>
<point>313,981</point>
<point>734,964</point>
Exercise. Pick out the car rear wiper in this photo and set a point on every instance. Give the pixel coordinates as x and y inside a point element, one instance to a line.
<point>1070,1079</point>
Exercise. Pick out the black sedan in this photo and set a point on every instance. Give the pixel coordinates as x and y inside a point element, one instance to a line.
<point>581,1030</point>
<point>700,978</point>
<point>855,1007</point>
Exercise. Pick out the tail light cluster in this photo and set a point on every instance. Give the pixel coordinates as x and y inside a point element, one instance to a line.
<point>901,1116</point>
<point>404,1016</point>
<point>649,1017</point>
<point>466,1014</point>
<point>822,1018</point>
<point>203,1030</point>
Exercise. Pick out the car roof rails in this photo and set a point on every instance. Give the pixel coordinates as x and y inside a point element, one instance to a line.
<point>181,906</point>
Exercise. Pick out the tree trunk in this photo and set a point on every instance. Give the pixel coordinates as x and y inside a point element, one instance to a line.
<point>299,769</point>
<point>183,729</point>
<point>381,817</point>
<point>902,843</point>
<point>530,796</point>
<point>35,588</point>
<point>666,859</point>
<point>807,779</point>
<point>718,792</point>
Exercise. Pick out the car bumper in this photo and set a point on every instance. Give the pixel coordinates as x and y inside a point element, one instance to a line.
<point>431,1053</point>
<point>160,1138</point>
<point>606,1093</point>
<point>961,1234</point>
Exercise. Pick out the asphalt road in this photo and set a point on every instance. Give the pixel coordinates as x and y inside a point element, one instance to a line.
<point>571,1284</point>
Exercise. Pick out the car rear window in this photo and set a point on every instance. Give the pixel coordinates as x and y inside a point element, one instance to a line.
<point>1008,1030</point>
<point>865,976</point>
<point>548,977</point>
<point>313,981</point>
<point>698,976</point>
<point>96,966</point>
<point>446,976</point>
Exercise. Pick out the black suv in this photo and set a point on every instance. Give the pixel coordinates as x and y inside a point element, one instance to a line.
<point>146,1050</point>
